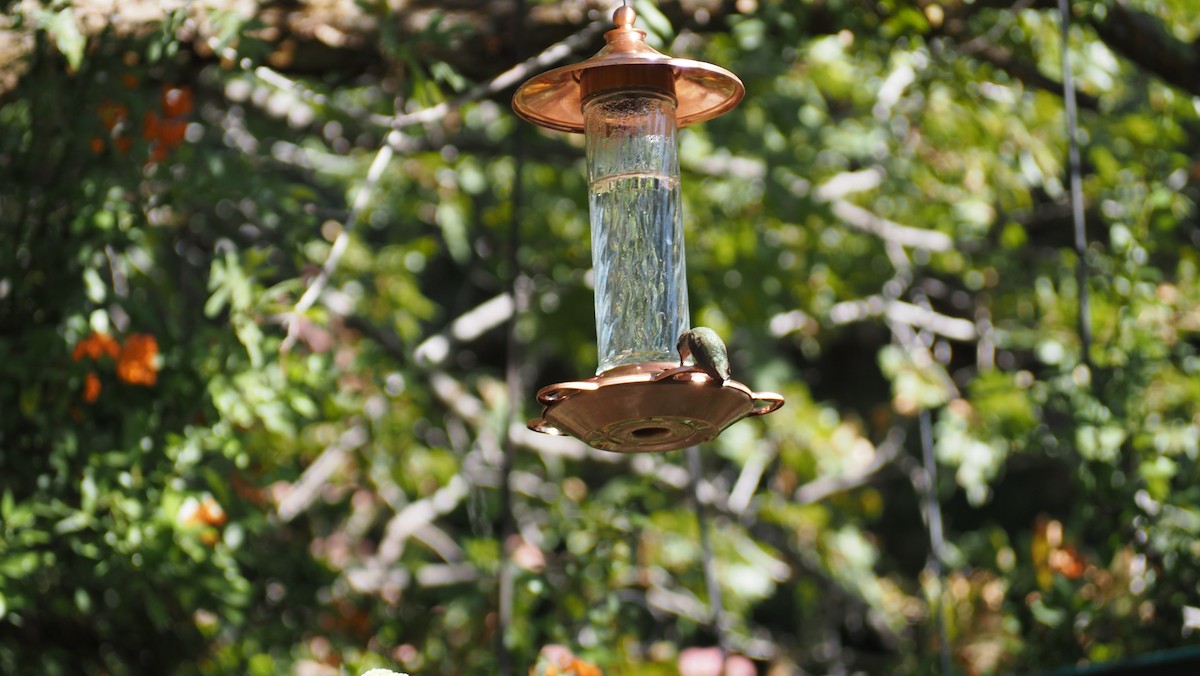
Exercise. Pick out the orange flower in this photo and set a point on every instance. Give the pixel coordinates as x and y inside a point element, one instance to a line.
<point>151,123</point>
<point>1067,562</point>
<point>96,346</point>
<point>210,512</point>
<point>158,153</point>
<point>136,364</point>
<point>111,114</point>
<point>172,133</point>
<point>581,668</point>
<point>91,388</point>
<point>204,515</point>
<point>176,101</point>
<point>558,660</point>
<point>204,512</point>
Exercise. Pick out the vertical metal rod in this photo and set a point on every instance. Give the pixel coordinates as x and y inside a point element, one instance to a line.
<point>937,542</point>
<point>712,582</point>
<point>512,373</point>
<point>1077,217</point>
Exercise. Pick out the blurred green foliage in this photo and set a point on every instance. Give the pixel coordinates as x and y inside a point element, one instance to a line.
<point>879,229</point>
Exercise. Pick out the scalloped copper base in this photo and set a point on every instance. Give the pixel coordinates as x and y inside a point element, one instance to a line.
<point>648,407</point>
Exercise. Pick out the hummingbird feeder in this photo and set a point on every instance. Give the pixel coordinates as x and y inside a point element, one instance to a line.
<point>628,101</point>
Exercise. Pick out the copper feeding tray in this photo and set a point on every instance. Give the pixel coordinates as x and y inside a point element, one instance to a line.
<point>648,407</point>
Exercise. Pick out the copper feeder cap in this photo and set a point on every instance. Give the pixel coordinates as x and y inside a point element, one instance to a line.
<point>555,98</point>
<point>641,408</point>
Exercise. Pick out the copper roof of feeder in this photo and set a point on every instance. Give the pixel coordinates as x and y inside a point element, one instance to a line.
<point>555,98</point>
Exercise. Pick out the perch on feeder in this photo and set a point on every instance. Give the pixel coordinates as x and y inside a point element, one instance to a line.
<point>628,100</point>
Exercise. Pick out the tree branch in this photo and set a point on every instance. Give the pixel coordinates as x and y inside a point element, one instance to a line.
<point>467,327</point>
<point>891,231</point>
<point>1026,72</point>
<point>954,328</point>
<point>302,493</point>
<point>823,487</point>
<point>511,77</point>
<point>310,296</point>
<point>983,47</point>
<point>1143,39</point>
<point>394,141</point>
<point>418,514</point>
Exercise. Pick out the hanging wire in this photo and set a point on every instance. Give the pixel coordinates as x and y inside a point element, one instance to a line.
<point>712,582</point>
<point>1080,226</point>
<point>512,373</point>
<point>937,541</point>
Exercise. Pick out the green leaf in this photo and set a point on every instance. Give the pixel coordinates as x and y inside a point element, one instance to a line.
<point>73,524</point>
<point>304,405</point>
<point>19,565</point>
<point>96,290</point>
<point>88,493</point>
<point>67,37</point>
<point>251,337</point>
<point>1047,615</point>
<point>655,23</point>
<point>451,217</point>
<point>1158,474</point>
<point>83,601</point>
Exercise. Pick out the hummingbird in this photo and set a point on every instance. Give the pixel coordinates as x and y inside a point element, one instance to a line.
<point>707,350</point>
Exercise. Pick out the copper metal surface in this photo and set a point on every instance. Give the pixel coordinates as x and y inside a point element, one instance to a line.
<point>555,98</point>
<point>655,406</point>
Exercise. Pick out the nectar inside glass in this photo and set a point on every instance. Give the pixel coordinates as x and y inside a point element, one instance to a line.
<point>637,227</point>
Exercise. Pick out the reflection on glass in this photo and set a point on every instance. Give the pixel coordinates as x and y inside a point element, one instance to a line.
<point>637,227</point>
